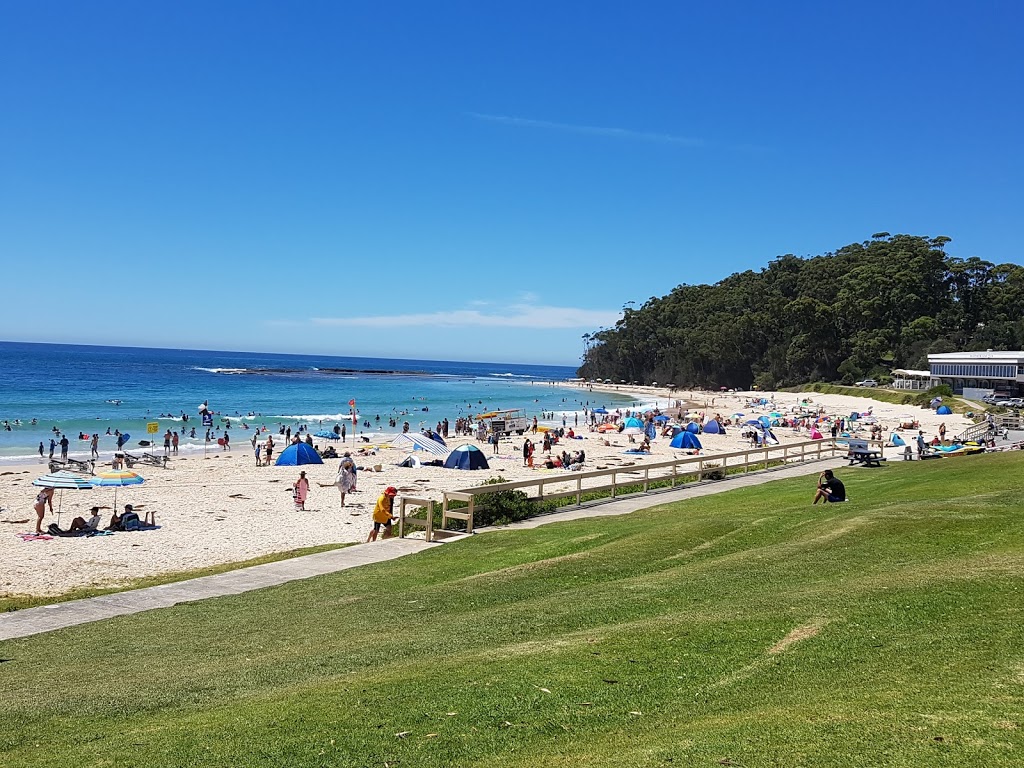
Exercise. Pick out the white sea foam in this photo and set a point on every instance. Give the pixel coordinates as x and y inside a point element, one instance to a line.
<point>220,370</point>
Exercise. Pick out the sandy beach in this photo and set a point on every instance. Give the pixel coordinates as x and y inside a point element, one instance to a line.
<point>224,509</point>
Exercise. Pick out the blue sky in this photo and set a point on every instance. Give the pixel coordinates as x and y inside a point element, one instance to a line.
<point>475,181</point>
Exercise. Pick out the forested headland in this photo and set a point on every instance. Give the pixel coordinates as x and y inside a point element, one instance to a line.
<point>861,311</point>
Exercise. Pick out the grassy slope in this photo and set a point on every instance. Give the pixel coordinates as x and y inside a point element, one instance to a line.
<point>634,641</point>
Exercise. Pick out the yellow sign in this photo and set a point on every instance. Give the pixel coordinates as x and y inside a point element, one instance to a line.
<point>153,427</point>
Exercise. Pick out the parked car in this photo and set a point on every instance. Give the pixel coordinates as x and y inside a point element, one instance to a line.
<point>867,383</point>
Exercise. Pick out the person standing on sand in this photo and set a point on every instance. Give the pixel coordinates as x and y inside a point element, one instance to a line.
<point>346,478</point>
<point>227,441</point>
<point>382,514</point>
<point>43,499</point>
<point>40,449</point>
<point>300,489</point>
<point>94,446</point>
<point>167,443</point>
<point>942,432</point>
<point>174,443</point>
<point>526,450</point>
<point>53,444</point>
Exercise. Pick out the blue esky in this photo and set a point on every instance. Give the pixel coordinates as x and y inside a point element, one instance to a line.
<point>475,181</point>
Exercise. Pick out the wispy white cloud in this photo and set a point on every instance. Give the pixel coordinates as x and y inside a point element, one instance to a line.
<point>512,316</point>
<point>592,130</point>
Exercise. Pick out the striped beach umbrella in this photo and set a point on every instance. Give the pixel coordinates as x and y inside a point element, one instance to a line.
<point>117,478</point>
<point>63,480</point>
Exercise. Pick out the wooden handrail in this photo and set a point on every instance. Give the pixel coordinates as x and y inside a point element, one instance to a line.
<point>670,469</point>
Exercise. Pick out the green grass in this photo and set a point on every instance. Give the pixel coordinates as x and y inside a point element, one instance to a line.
<point>10,603</point>
<point>643,640</point>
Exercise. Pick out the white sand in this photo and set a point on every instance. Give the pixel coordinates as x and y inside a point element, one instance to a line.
<point>224,509</point>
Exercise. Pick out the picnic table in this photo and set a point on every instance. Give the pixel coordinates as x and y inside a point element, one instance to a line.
<point>859,452</point>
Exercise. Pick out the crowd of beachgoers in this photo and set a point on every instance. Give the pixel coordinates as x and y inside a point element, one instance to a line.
<point>229,504</point>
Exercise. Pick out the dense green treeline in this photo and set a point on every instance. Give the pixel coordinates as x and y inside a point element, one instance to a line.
<point>863,310</point>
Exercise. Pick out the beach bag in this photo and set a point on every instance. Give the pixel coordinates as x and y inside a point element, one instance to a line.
<point>130,522</point>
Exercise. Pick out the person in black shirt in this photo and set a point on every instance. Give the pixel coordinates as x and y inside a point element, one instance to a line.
<point>830,489</point>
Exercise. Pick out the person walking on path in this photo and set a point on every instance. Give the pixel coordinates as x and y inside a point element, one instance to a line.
<point>300,489</point>
<point>44,499</point>
<point>346,478</point>
<point>382,514</point>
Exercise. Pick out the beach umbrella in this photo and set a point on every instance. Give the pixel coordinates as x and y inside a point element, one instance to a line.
<point>117,478</point>
<point>599,410</point>
<point>633,426</point>
<point>607,428</point>
<point>417,442</point>
<point>327,435</point>
<point>63,480</point>
<point>662,417</point>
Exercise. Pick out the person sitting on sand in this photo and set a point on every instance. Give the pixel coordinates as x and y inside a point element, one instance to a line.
<point>830,488</point>
<point>81,524</point>
<point>382,514</point>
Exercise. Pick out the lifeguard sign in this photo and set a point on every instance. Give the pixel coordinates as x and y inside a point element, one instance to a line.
<point>152,427</point>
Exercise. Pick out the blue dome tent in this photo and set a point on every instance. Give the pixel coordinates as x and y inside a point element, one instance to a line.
<point>685,440</point>
<point>712,428</point>
<point>297,454</point>
<point>466,457</point>
<point>896,439</point>
<point>943,410</point>
<point>693,428</point>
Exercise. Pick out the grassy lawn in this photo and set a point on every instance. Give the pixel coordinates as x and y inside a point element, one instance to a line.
<point>747,628</point>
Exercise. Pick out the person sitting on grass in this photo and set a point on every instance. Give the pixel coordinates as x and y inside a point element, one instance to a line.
<point>830,488</point>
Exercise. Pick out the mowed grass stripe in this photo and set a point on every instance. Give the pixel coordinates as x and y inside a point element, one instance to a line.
<point>658,638</point>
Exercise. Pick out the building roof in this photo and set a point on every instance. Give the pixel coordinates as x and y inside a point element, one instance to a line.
<point>908,372</point>
<point>986,355</point>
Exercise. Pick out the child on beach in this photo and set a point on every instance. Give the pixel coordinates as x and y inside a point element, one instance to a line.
<point>382,514</point>
<point>300,489</point>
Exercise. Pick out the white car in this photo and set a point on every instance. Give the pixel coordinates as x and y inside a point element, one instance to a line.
<point>867,383</point>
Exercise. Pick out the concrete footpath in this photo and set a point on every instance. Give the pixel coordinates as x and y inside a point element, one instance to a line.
<point>32,621</point>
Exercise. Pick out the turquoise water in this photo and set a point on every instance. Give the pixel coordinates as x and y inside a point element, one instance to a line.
<point>84,389</point>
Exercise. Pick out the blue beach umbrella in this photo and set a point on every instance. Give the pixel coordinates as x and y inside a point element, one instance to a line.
<point>599,410</point>
<point>327,435</point>
<point>661,417</point>
<point>63,480</point>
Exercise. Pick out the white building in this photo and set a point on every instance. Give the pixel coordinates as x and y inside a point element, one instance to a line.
<point>1001,372</point>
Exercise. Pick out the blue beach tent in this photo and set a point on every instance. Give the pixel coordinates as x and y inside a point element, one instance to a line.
<point>896,439</point>
<point>943,410</point>
<point>685,440</point>
<point>466,457</point>
<point>297,454</point>
<point>712,427</point>
<point>693,427</point>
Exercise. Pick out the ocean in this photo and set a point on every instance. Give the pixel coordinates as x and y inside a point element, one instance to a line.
<point>81,390</point>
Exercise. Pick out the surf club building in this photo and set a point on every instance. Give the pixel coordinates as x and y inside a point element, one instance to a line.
<point>1001,373</point>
